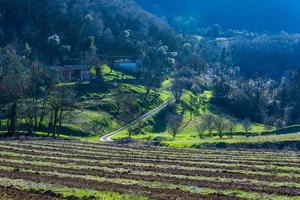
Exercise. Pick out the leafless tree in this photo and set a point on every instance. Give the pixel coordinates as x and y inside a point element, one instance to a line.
<point>247,125</point>
<point>201,127</point>
<point>60,102</point>
<point>221,125</point>
<point>12,67</point>
<point>174,124</point>
<point>209,119</point>
<point>231,127</point>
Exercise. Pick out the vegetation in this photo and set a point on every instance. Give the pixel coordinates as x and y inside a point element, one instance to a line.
<point>77,109</point>
<point>73,72</point>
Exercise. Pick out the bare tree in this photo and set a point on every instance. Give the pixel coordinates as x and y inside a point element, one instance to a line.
<point>174,124</point>
<point>231,127</point>
<point>221,125</point>
<point>36,90</point>
<point>247,125</point>
<point>61,100</point>
<point>12,67</point>
<point>209,119</point>
<point>1,126</point>
<point>201,128</point>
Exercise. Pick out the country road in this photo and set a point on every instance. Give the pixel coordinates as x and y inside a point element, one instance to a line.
<point>108,137</point>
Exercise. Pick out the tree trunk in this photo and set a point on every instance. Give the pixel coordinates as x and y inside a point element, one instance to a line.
<point>55,121</point>
<point>221,135</point>
<point>7,125</point>
<point>41,120</point>
<point>1,129</point>
<point>13,120</point>
<point>50,125</point>
<point>210,133</point>
<point>60,121</point>
<point>36,115</point>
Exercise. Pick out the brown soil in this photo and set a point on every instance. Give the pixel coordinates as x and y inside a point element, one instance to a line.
<point>151,156</point>
<point>156,193</point>
<point>10,193</point>
<point>153,161</point>
<point>289,191</point>
<point>116,154</point>
<point>173,171</point>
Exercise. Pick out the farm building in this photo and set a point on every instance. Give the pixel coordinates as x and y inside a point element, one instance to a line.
<point>129,65</point>
<point>67,73</point>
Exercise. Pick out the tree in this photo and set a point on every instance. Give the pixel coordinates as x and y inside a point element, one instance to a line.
<point>130,131</point>
<point>182,81</point>
<point>12,67</point>
<point>177,88</point>
<point>174,124</point>
<point>196,104</point>
<point>221,125</point>
<point>231,127</point>
<point>201,128</point>
<point>36,90</point>
<point>1,118</point>
<point>135,129</point>
<point>99,125</point>
<point>127,107</point>
<point>209,119</point>
<point>247,125</point>
<point>61,100</point>
<point>158,62</point>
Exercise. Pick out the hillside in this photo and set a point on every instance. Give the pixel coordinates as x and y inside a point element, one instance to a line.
<point>149,100</point>
<point>60,29</point>
<point>252,15</point>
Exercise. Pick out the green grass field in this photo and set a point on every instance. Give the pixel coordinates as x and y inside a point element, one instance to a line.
<point>97,103</point>
<point>259,136</point>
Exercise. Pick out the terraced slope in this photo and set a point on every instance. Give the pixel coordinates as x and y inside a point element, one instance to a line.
<point>61,169</point>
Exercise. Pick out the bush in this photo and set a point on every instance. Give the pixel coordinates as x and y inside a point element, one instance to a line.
<point>159,139</point>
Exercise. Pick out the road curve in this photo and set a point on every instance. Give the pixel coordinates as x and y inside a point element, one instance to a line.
<point>108,137</point>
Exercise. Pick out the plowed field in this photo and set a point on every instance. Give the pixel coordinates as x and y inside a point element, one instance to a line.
<point>70,169</point>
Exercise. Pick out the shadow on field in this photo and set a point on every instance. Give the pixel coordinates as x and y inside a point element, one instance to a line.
<point>285,145</point>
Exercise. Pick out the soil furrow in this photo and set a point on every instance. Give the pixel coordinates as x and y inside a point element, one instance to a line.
<point>252,168</point>
<point>172,171</point>
<point>155,193</point>
<point>289,191</point>
<point>213,157</point>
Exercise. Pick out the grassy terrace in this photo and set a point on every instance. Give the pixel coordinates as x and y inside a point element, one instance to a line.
<point>97,103</point>
<point>121,172</point>
<point>260,136</point>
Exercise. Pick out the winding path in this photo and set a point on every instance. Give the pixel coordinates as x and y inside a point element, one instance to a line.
<point>108,137</point>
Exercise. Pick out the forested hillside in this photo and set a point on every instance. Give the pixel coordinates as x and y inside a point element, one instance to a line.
<point>53,29</point>
<point>252,15</point>
<point>36,36</point>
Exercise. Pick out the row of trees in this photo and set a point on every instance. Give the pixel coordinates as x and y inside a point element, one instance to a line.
<point>210,123</point>
<point>29,95</point>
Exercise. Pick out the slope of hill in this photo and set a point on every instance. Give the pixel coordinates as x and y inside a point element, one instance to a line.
<point>56,29</point>
<point>254,15</point>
